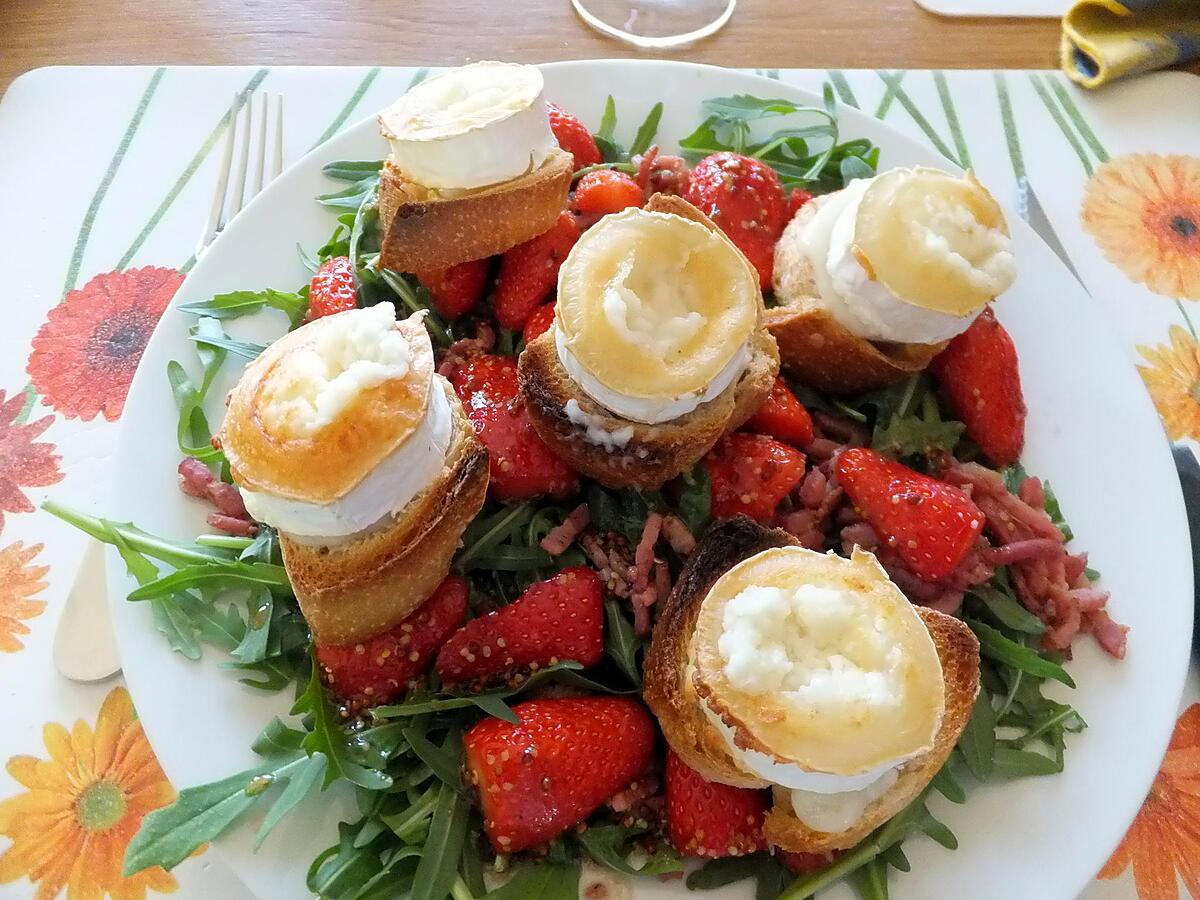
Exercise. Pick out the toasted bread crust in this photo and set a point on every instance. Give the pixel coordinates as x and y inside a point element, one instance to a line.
<point>350,593</point>
<point>656,453</point>
<point>816,348</point>
<point>667,687</point>
<point>421,233</point>
<point>958,650</point>
<point>669,693</point>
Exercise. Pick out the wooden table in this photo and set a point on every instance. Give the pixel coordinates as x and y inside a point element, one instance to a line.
<point>796,33</point>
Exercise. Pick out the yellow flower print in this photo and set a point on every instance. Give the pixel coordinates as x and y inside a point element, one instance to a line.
<point>19,581</point>
<point>1144,212</point>
<point>82,806</point>
<point>1173,380</point>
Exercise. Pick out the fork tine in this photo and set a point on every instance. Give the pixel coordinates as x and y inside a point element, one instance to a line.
<point>239,191</point>
<point>278,168</point>
<point>213,222</point>
<point>260,168</point>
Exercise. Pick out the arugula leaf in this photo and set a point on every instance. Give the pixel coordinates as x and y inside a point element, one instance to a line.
<point>327,736</point>
<point>171,834</point>
<point>175,553</point>
<point>413,820</point>
<point>719,872</point>
<point>610,845</point>
<point>978,741</point>
<point>1006,609</point>
<point>947,785</point>
<point>364,220</point>
<point>540,881</point>
<point>245,349</point>
<point>1013,763</point>
<point>350,198</point>
<point>608,121</point>
<point>445,761</point>
<point>169,618</point>
<point>227,573</point>
<point>243,303</point>
<point>646,131</point>
<point>994,645</point>
<point>439,860</point>
<point>916,436</point>
<point>352,169</point>
<point>253,646</point>
<point>300,785</point>
<point>695,501</point>
<point>417,299</point>
<point>278,739</point>
<point>620,643</point>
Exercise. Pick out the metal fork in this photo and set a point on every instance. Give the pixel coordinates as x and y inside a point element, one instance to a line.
<point>225,203</point>
<point>85,647</point>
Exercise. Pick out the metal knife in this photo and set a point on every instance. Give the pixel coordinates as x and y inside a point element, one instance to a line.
<point>1186,463</point>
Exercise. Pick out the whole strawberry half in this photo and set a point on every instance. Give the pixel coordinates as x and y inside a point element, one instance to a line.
<point>557,619</point>
<point>538,323</point>
<point>750,474</point>
<point>553,768</point>
<point>572,135</point>
<point>529,272</point>
<point>521,465</point>
<point>379,670</point>
<point>931,525</point>
<point>980,382</point>
<point>456,290</point>
<point>709,819</point>
<point>744,197</point>
<point>333,289</point>
<point>783,416</point>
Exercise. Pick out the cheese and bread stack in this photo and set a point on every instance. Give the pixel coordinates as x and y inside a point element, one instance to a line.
<point>657,350</point>
<point>342,437</point>
<point>874,279</point>
<point>773,666</point>
<point>474,168</point>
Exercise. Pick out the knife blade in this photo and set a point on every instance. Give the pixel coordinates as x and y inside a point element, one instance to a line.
<point>1031,211</point>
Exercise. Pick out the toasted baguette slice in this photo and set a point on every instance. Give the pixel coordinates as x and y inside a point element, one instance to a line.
<point>958,650</point>
<point>670,694</point>
<point>424,231</point>
<point>655,453</point>
<point>354,591</point>
<point>667,681</point>
<point>816,348</point>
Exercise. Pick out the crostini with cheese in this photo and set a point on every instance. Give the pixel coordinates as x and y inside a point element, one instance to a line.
<point>657,349</point>
<point>872,281</point>
<point>809,673</point>
<point>474,168</point>
<point>343,438</point>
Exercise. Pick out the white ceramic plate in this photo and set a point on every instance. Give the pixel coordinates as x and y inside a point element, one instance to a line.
<point>996,9</point>
<point>1091,430</point>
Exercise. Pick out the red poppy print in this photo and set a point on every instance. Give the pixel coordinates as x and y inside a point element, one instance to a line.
<point>25,462</point>
<point>85,354</point>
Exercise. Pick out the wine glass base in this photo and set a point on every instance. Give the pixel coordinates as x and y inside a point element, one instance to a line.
<point>656,24</point>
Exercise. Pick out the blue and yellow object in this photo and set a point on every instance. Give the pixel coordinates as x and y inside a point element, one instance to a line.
<point>1104,40</point>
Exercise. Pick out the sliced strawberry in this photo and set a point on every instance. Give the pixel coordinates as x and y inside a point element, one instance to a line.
<point>783,416</point>
<point>797,200</point>
<point>979,380</point>
<point>705,818</point>
<point>929,523</point>
<point>529,272</point>
<point>750,474</point>
<point>557,619</point>
<point>744,197</point>
<point>333,289</point>
<point>379,670</point>
<point>573,136</point>
<point>606,191</point>
<point>550,771</point>
<point>521,465</point>
<point>804,863</point>
<point>539,322</point>
<point>456,290</point>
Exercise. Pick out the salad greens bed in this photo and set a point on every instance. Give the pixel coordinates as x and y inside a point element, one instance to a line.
<point>417,832</point>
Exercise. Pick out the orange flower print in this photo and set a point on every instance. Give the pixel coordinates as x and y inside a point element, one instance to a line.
<point>1144,212</point>
<point>85,354</point>
<point>1173,380</point>
<point>1163,843</point>
<point>19,581</point>
<point>82,806</point>
<point>24,461</point>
